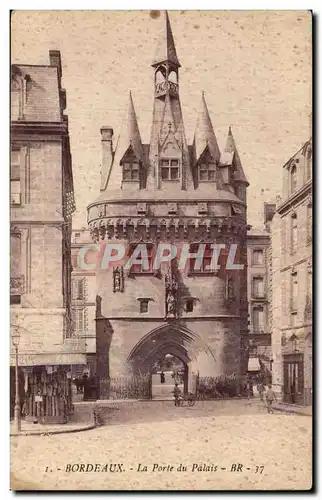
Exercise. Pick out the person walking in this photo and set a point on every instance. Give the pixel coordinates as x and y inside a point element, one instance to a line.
<point>176,393</point>
<point>270,397</point>
<point>261,390</point>
<point>162,377</point>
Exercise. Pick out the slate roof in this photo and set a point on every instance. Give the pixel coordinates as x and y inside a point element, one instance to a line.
<point>204,134</point>
<point>166,50</point>
<point>42,104</point>
<point>239,174</point>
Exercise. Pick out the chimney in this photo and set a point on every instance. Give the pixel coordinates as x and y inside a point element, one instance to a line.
<point>55,61</point>
<point>107,153</point>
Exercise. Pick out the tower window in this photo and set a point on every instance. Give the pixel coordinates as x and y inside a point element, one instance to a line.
<point>189,305</point>
<point>230,291</point>
<point>144,306</point>
<point>130,172</point>
<point>201,263</point>
<point>170,170</point>
<point>207,172</point>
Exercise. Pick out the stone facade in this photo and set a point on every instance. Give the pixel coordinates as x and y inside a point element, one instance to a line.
<point>258,249</point>
<point>83,302</point>
<point>292,281</point>
<point>170,192</point>
<point>41,205</point>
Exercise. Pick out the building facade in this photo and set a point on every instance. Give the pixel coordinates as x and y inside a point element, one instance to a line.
<point>170,192</point>
<point>83,303</point>
<point>260,349</point>
<point>291,238</point>
<point>41,206</point>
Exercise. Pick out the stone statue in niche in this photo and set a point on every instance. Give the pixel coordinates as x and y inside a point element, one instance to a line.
<point>171,292</point>
<point>118,279</point>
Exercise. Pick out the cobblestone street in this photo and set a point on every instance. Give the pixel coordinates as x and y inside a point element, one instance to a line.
<point>207,439</point>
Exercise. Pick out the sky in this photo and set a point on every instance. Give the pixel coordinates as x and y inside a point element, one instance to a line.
<point>254,66</point>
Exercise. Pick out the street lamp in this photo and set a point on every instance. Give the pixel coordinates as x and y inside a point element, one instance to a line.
<point>15,342</point>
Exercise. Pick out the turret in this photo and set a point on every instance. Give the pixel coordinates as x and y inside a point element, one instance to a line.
<point>237,176</point>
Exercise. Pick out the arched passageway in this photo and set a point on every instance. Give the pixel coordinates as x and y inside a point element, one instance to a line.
<point>151,353</point>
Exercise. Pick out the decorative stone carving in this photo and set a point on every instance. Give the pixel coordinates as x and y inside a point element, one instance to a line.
<point>202,208</point>
<point>118,279</point>
<point>141,208</point>
<point>171,292</point>
<point>172,208</point>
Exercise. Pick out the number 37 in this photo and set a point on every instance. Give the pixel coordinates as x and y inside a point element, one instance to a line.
<point>259,469</point>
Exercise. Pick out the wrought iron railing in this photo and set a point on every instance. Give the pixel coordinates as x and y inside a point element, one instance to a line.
<point>166,86</point>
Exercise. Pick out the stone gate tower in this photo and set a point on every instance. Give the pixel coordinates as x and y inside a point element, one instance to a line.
<point>171,192</point>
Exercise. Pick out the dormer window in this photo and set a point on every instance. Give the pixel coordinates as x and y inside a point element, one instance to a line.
<point>207,172</point>
<point>130,171</point>
<point>170,169</point>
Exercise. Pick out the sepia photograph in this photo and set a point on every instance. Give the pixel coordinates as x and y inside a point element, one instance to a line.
<point>161,168</point>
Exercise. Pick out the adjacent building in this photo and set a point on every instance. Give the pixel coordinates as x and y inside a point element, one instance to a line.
<point>291,238</point>
<point>83,302</point>
<point>169,191</point>
<point>41,207</point>
<point>260,351</point>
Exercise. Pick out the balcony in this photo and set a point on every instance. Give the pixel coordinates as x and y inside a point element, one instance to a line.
<point>17,284</point>
<point>164,87</point>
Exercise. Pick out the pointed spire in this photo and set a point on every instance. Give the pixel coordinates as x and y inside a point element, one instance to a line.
<point>166,50</point>
<point>230,144</point>
<point>204,133</point>
<point>239,174</point>
<point>130,134</point>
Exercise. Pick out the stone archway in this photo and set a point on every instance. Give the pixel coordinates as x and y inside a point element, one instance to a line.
<point>173,339</point>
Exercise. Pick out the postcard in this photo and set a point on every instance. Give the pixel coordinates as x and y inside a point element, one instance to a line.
<point>161,250</point>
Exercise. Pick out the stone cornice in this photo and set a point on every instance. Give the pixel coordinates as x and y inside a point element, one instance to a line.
<point>297,196</point>
<point>161,318</point>
<point>25,127</point>
<point>131,201</point>
<point>144,228</point>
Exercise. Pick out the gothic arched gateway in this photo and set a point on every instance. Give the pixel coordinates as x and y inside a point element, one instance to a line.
<point>173,339</point>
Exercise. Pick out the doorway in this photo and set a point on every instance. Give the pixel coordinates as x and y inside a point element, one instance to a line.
<point>168,370</point>
<point>293,379</point>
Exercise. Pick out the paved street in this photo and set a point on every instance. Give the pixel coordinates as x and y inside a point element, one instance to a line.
<point>274,450</point>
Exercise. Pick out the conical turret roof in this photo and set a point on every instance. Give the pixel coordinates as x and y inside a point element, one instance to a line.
<point>130,134</point>
<point>204,134</point>
<point>166,50</point>
<point>239,174</point>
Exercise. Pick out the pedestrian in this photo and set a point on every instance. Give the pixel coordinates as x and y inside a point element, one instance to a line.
<point>249,389</point>
<point>177,394</point>
<point>162,377</point>
<point>270,396</point>
<point>261,390</point>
